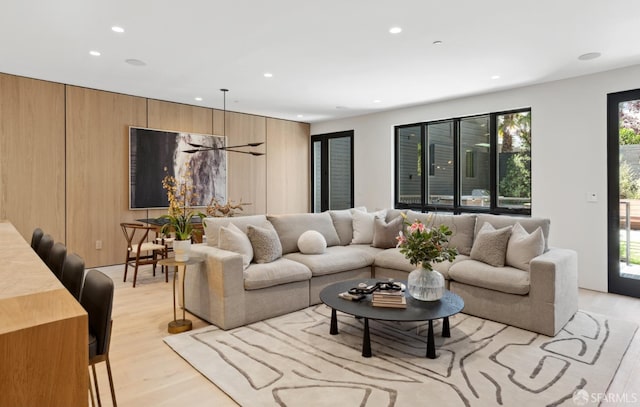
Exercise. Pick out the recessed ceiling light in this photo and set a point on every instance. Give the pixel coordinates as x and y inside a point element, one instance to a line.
<point>589,55</point>
<point>117,29</point>
<point>268,75</point>
<point>437,42</point>
<point>300,116</point>
<point>135,62</point>
<point>395,30</point>
<point>94,53</point>
<point>377,101</point>
<point>198,98</point>
<point>494,77</point>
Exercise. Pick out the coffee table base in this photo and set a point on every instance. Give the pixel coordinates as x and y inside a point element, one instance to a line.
<point>366,336</point>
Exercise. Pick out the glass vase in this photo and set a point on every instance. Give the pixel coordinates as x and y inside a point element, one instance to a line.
<point>425,285</point>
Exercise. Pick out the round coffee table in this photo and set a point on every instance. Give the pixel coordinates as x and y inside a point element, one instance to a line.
<point>450,304</point>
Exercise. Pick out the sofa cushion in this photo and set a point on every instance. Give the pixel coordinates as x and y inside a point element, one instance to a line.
<point>384,234</point>
<point>367,248</point>
<point>212,225</point>
<point>529,224</point>
<point>490,245</point>
<point>312,242</point>
<point>505,279</point>
<point>233,239</point>
<point>461,226</point>
<point>265,243</point>
<point>291,226</point>
<point>523,247</point>
<point>363,226</point>
<point>343,222</point>
<point>335,260</point>
<point>393,259</point>
<point>281,271</point>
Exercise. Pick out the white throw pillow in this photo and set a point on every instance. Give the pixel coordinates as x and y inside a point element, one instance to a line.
<point>363,225</point>
<point>312,242</point>
<point>523,247</point>
<point>233,239</point>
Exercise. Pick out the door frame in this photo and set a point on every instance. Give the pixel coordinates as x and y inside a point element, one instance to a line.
<point>617,284</point>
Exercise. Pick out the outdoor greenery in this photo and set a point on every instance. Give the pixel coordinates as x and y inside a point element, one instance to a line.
<point>517,180</point>
<point>629,182</point>
<point>628,136</point>
<point>634,254</point>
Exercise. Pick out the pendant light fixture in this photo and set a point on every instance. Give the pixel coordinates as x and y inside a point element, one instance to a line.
<point>199,147</point>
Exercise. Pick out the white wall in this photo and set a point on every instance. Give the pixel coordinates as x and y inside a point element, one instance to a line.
<point>569,156</point>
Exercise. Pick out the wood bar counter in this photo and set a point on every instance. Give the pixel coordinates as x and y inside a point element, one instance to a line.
<point>43,331</point>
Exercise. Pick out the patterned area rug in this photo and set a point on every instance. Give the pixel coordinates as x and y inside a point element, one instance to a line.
<point>293,361</point>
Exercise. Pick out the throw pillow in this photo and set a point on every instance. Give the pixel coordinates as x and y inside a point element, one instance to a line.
<point>233,239</point>
<point>523,247</point>
<point>266,244</point>
<point>384,234</point>
<point>363,226</point>
<point>312,242</point>
<point>490,245</point>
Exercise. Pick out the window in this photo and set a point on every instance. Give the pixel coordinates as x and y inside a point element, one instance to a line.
<point>472,164</point>
<point>332,172</point>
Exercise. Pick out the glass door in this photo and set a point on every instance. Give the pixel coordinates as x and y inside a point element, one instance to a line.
<point>623,128</point>
<point>332,171</point>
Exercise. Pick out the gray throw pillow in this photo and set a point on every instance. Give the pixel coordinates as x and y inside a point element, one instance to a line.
<point>266,244</point>
<point>490,245</point>
<point>384,234</point>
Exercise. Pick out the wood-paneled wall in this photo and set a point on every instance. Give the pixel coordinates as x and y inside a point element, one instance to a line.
<point>32,155</point>
<point>98,171</point>
<point>64,152</point>
<point>288,166</point>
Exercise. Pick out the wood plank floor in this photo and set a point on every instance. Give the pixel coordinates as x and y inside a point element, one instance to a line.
<point>146,372</point>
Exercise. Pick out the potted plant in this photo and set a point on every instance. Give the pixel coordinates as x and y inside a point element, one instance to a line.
<point>424,245</point>
<point>180,214</point>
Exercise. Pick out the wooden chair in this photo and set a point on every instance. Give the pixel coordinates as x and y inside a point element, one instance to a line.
<point>139,250</point>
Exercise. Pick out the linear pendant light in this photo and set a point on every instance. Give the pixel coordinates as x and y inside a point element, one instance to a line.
<point>199,147</point>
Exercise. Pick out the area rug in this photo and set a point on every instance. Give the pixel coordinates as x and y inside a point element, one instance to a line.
<point>293,361</point>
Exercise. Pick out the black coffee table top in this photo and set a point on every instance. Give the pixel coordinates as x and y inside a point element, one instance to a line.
<point>416,310</point>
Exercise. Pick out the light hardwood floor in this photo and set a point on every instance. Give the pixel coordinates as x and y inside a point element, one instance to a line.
<point>146,372</point>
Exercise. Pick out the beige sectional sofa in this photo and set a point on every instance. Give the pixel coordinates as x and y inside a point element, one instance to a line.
<point>540,295</point>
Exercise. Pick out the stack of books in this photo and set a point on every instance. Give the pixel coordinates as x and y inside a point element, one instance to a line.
<point>389,299</point>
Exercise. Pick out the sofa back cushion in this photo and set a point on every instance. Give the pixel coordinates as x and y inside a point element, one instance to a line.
<point>462,227</point>
<point>529,224</point>
<point>291,226</point>
<point>212,225</point>
<point>343,223</point>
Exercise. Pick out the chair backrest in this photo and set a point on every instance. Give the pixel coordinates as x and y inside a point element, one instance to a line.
<point>72,274</point>
<point>35,238</point>
<point>55,262</point>
<point>135,233</point>
<point>44,247</point>
<point>97,300</point>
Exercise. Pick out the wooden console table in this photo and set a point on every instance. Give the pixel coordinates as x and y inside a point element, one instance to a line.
<point>43,331</point>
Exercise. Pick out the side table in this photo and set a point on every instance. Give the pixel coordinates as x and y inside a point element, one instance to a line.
<point>179,325</point>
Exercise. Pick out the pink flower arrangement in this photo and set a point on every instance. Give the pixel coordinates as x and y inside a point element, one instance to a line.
<point>425,245</point>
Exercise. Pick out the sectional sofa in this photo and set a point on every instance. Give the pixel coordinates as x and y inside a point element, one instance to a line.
<point>254,268</point>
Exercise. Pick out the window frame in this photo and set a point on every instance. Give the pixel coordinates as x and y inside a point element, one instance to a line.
<point>456,207</point>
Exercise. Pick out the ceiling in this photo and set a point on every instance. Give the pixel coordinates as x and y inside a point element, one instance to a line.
<point>329,59</point>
